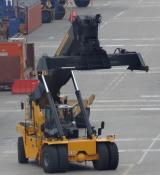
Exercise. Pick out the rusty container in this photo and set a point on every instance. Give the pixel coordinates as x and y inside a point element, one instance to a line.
<point>9,70</point>
<point>16,61</point>
<point>29,13</point>
<point>34,17</point>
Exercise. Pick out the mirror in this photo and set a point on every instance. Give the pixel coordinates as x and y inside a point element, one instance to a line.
<point>102,124</point>
<point>22,105</point>
<point>99,131</point>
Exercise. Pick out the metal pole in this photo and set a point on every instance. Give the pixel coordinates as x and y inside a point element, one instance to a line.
<point>53,110</point>
<point>82,107</point>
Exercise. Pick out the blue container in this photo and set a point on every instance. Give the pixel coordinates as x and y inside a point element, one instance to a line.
<point>7,10</point>
<point>2,3</point>
<point>13,27</point>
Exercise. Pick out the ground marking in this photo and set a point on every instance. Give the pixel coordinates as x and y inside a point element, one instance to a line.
<point>130,39</point>
<point>127,171</point>
<point>135,19</point>
<point>124,105</point>
<point>147,150</point>
<point>130,45</point>
<point>119,14</point>
<point>106,22</point>
<point>125,109</point>
<point>150,96</point>
<point>136,139</point>
<point>128,101</point>
<point>138,150</point>
<point>10,110</point>
<point>113,84</point>
<point>93,4</point>
<point>140,1</point>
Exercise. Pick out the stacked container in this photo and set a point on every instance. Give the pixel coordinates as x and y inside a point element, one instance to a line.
<point>29,13</point>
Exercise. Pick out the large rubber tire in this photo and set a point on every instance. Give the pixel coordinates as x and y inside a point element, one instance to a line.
<point>63,158</point>
<point>50,162</point>
<point>103,162</point>
<point>113,155</point>
<point>62,2</point>
<point>59,12</point>
<point>47,16</point>
<point>21,151</point>
<point>82,3</point>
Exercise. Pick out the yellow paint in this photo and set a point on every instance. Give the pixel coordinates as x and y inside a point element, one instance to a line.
<point>62,45</point>
<point>79,150</point>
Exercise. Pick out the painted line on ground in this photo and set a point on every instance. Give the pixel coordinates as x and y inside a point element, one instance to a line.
<point>129,100</point>
<point>93,4</point>
<point>152,2</point>
<point>9,152</point>
<point>128,170</point>
<point>148,5</point>
<point>113,84</point>
<point>136,20</point>
<point>124,105</point>
<point>120,151</point>
<point>119,14</point>
<point>10,110</point>
<point>136,139</point>
<point>131,45</point>
<point>150,96</point>
<point>140,1</point>
<point>130,39</point>
<point>138,150</point>
<point>125,109</point>
<point>110,20</point>
<point>148,149</point>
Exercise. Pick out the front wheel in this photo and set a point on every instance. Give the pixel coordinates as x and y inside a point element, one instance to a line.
<point>82,3</point>
<point>63,157</point>
<point>50,161</point>
<point>21,151</point>
<point>113,155</point>
<point>59,12</point>
<point>103,162</point>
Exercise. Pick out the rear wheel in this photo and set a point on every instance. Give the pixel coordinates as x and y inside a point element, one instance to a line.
<point>47,16</point>
<point>21,151</point>
<point>113,155</point>
<point>103,162</point>
<point>63,157</point>
<point>50,159</point>
<point>59,12</point>
<point>62,2</point>
<point>82,3</point>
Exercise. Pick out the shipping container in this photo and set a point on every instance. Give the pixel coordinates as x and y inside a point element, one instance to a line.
<point>29,13</point>
<point>13,27</point>
<point>34,17</point>
<point>16,61</point>
<point>3,30</point>
<point>9,70</point>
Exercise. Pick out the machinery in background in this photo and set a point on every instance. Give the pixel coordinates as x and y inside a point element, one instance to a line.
<point>19,16</point>
<point>82,3</point>
<point>57,130</point>
<point>55,9</point>
<point>52,9</point>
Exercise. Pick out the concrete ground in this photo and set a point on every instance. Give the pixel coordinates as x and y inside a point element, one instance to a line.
<point>129,102</point>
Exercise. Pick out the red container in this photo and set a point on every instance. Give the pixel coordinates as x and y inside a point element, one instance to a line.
<point>24,86</point>
<point>11,52</point>
<point>9,70</point>
<point>34,17</point>
<point>16,62</point>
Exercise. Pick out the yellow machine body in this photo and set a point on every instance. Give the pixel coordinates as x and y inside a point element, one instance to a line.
<point>79,150</point>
